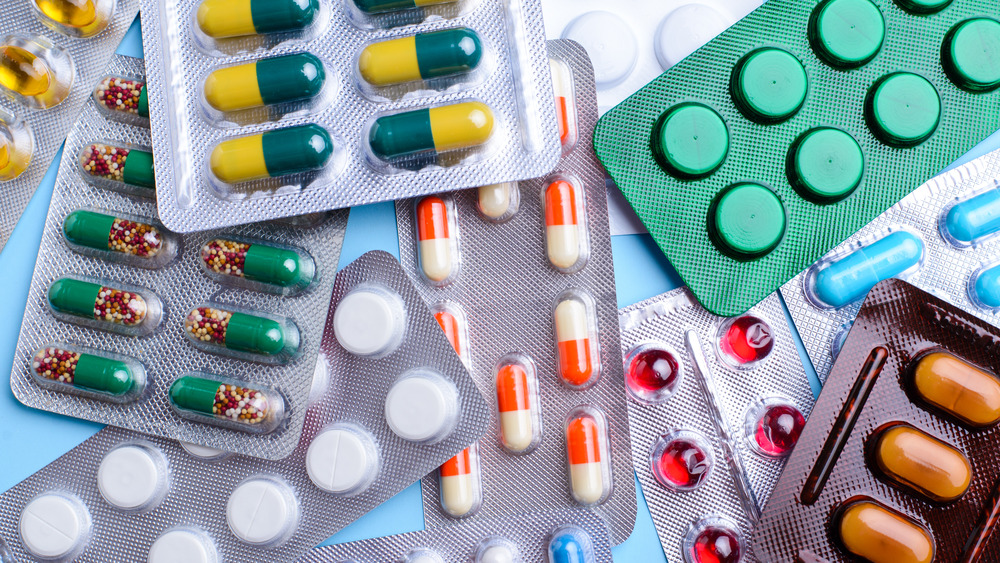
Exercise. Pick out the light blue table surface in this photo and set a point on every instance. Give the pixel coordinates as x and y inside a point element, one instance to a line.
<point>30,439</point>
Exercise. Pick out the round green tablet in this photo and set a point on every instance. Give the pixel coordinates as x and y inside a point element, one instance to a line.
<point>690,141</point>
<point>923,7</point>
<point>769,85</point>
<point>846,34</point>
<point>971,54</point>
<point>825,165</point>
<point>903,109</point>
<point>747,220</point>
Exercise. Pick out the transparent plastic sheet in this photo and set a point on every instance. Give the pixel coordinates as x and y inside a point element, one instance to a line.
<point>944,269</point>
<point>507,288</point>
<point>514,82</point>
<point>180,283</point>
<point>663,323</point>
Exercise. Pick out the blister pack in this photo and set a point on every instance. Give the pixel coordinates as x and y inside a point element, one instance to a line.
<point>51,55</point>
<point>715,407</point>
<point>941,238</point>
<point>132,325</point>
<point>294,107</point>
<point>898,462</point>
<point>564,536</point>
<point>521,278</point>
<point>797,126</point>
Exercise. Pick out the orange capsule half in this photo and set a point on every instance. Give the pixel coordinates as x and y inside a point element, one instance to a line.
<point>579,364</point>
<point>449,324</point>
<point>434,243</point>
<point>589,475</point>
<point>515,399</point>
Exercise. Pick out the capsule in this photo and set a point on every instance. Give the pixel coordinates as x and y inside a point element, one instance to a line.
<point>974,218</point>
<point>71,13</point>
<point>23,72</point>
<point>562,225</point>
<point>16,146</point>
<point>431,130</point>
<point>122,95</point>
<point>288,78</point>
<point>461,490</point>
<point>570,544</point>
<point>87,371</point>
<point>960,389</point>
<point>107,232</point>
<point>234,18</point>
<point>97,301</point>
<point>562,85</point>
<point>382,6</point>
<point>579,366</point>
<point>985,289</point>
<point>434,239</point>
<point>498,201</point>
<point>241,332</point>
<point>275,153</point>
<point>589,477</point>
<point>452,330</point>
<point>849,279</point>
<point>921,463</point>
<point>119,164</point>
<point>421,57</point>
<point>880,535</point>
<point>515,402</point>
<point>258,262</point>
<point>229,402</point>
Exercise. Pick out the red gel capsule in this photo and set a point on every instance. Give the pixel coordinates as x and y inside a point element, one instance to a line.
<point>652,373</point>
<point>777,429</point>
<point>746,340</point>
<point>715,544</point>
<point>681,461</point>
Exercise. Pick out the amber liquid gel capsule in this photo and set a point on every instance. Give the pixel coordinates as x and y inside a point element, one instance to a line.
<point>79,18</point>
<point>35,72</point>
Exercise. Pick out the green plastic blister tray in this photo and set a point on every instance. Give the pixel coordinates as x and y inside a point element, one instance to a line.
<point>788,132</point>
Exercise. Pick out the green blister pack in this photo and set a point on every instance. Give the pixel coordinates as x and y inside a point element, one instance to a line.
<point>773,143</point>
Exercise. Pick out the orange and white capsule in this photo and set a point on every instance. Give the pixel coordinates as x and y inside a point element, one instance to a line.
<point>586,448</point>
<point>562,85</point>
<point>563,232</point>
<point>434,243</point>
<point>579,361</point>
<point>452,321</point>
<point>461,488</point>
<point>516,397</point>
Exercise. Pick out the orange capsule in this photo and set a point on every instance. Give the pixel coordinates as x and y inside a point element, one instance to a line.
<point>461,488</point>
<point>562,85</point>
<point>452,321</point>
<point>434,239</point>
<point>515,401</point>
<point>562,225</point>
<point>589,474</point>
<point>579,362</point>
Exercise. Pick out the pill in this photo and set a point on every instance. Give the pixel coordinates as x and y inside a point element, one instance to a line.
<point>610,42</point>
<point>422,555</point>
<point>183,545</point>
<point>16,147</point>
<point>461,490</point>
<point>87,371</point>
<point>923,6</point>
<point>562,85</point>
<point>241,331</point>
<point>588,470</point>
<point>846,34</point>
<point>985,290</point>
<point>776,428</point>
<point>23,72</point>
<point>570,544</point>
<point>971,54</point>
<point>262,511</point>
<point>902,109</point>
<point>381,6</point>
<point>227,402</point>
<point>107,232</point>
<point>369,321</point>
<point>747,221</point>
<point>652,373</point>
<point>97,301</point>
<point>972,219</point>
<point>516,397</point>
<point>431,130</point>
<point>681,461</point>
<point>258,262</point>
<point>122,95</point>
<point>746,340</point>
<point>825,165</point>
<point>434,246</point>
<point>233,18</point>
<point>130,477</point>
<point>579,366</point>
<point>690,141</point>
<point>849,278</point>
<point>562,224</point>
<point>275,153</point>
<point>119,164</point>
<point>920,463</point>
<point>716,544</point>
<point>684,30</point>
<point>421,407</point>
<point>452,330</point>
<point>496,554</point>
<point>54,526</point>
<point>274,80</point>
<point>77,14</point>
<point>422,56</point>
<point>881,535</point>
<point>498,201</point>
<point>958,388</point>
<point>341,461</point>
<point>769,85</point>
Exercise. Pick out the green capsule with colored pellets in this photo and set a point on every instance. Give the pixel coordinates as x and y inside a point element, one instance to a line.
<point>251,409</point>
<point>287,78</point>
<point>88,371</point>
<point>235,18</point>
<point>420,56</point>
<point>431,130</point>
<point>241,332</point>
<point>258,262</point>
<point>275,153</point>
<point>87,300</point>
<point>116,234</point>
<point>381,6</point>
<point>103,161</point>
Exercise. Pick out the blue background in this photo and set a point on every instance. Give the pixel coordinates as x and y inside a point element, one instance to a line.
<point>30,439</point>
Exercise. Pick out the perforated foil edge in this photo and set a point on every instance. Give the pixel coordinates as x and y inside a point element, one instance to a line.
<point>182,285</point>
<point>665,319</point>
<point>508,290</point>
<point>945,271</point>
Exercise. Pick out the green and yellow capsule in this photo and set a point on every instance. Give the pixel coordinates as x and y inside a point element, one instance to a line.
<point>107,232</point>
<point>99,302</point>
<point>275,153</point>
<point>381,6</point>
<point>288,78</point>
<point>436,130</point>
<point>241,332</point>
<point>421,56</point>
<point>235,18</point>
<point>119,164</point>
<point>87,371</point>
<point>258,410</point>
<point>258,262</point>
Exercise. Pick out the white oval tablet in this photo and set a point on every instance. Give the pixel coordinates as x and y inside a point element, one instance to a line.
<point>686,29</point>
<point>338,461</point>
<point>609,41</point>
<point>182,545</point>
<point>368,322</point>
<point>421,407</point>
<point>129,477</point>
<point>53,525</point>
<point>261,511</point>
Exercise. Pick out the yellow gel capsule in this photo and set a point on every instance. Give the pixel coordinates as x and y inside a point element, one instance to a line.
<point>958,388</point>
<point>880,535</point>
<point>921,463</point>
<point>16,146</point>
<point>23,72</point>
<point>72,13</point>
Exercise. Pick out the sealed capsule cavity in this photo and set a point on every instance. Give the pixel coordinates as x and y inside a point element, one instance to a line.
<point>745,341</point>
<point>956,388</point>
<point>984,287</point>
<point>570,544</point>
<point>122,98</point>
<point>431,130</point>
<point>16,146</point>
<point>227,403</point>
<point>451,317</point>
<point>437,240</point>
<point>517,403</point>
<point>303,148</point>
<point>682,460</point>
<point>133,477</point>
<point>423,56</point>
<point>383,6</point>
<point>919,463</point>
<point>105,306</point>
<point>972,220</point>
<point>877,533</point>
<point>773,427</point>
<point>848,279</point>
<point>652,372</point>
<point>265,82</point>
<point>565,225</point>
<point>67,368</point>
<point>370,321</point>
<point>262,511</point>
<point>55,526</point>
<point>498,202</point>
<point>268,267</point>
<point>496,549</point>
<point>562,86</point>
<point>213,328</point>
<point>235,18</point>
<point>139,243</point>
<point>577,344</point>
<point>713,540</point>
<point>108,165</point>
<point>34,71</point>
<point>342,460</point>
<point>461,483</point>
<point>76,18</point>
<point>422,406</point>
<point>587,455</point>
<point>192,545</point>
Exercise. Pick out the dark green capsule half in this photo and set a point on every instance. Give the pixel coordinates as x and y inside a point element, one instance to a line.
<point>447,52</point>
<point>402,134</point>
<point>278,266</point>
<point>271,16</point>
<point>290,77</point>
<point>195,394</point>
<point>88,228</point>
<point>103,374</point>
<point>380,6</point>
<point>260,335</point>
<point>74,297</point>
<point>138,169</point>
<point>143,106</point>
<point>296,149</point>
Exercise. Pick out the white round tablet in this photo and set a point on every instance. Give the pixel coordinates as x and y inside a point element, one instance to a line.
<point>421,407</point>
<point>684,30</point>
<point>340,460</point>
<point>204,452</point>
<point>261,511</point>
<point>368,321</point>
<point>496,554</point>
<point>130,478</point>
<point>183,545</point>
<point>53,525</point>
<point>609,41</point>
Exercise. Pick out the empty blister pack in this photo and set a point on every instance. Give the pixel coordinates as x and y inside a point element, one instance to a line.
<point>51,54</point>
<point>794,128</point>
<point>211,338</point>
<point>941,238</point>
<point>301,106</point>
<point>565,536</point>
<point>898,462</point>
<point>520,276</point>
<point>715,407</point>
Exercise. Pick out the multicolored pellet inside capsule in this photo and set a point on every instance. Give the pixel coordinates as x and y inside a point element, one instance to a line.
<point>241,332</point>
<point>258,262</point>
<point>107,232</point>
<point>228,402</point>
<point>97,301</point>
<point>85,371</point>
<point>119,164</point>
<point>122,95</point>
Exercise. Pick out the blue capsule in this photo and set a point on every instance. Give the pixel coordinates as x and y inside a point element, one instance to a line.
<point>973,218</point>
<point>849,279</point>
<point>986,289</point>
<point>570,544</point>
